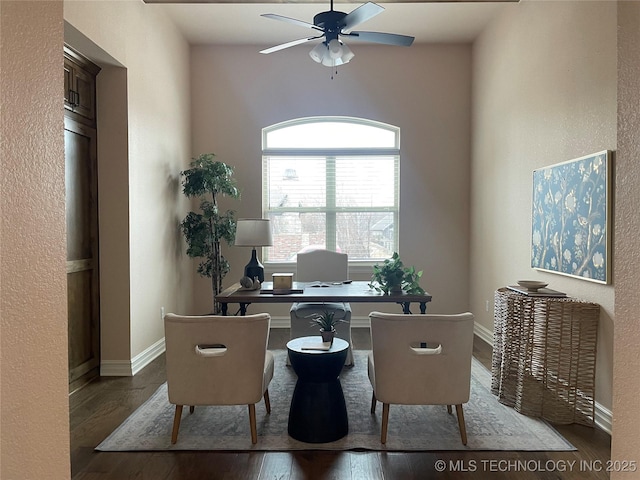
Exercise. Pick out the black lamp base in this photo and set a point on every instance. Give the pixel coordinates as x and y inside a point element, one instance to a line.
<point>254,268</point>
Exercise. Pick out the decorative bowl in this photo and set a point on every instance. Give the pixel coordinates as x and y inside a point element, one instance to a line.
<point>532,285</point>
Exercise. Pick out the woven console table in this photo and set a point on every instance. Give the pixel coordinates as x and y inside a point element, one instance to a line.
<point>544,356</point>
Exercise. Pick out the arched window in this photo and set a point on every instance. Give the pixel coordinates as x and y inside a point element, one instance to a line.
<point>331,182</point>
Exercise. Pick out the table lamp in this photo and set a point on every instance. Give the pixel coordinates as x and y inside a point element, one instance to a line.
<point>253,232</point>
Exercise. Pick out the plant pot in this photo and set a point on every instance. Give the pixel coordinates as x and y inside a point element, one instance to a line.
<point>395,289</point>
<point>328,336</point>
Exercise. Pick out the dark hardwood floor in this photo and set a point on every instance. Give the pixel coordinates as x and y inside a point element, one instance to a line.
<point>98,408</point>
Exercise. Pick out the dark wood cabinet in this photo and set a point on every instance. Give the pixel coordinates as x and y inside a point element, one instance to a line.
<point>81,182</point>
<point>79,86</point>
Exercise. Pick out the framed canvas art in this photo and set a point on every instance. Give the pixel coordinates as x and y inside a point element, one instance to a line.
<point>571,228</point>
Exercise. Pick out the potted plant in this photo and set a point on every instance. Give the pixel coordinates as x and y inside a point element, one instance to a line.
<point>207,180</point>
<point>327,322</point>
<point>393,276</point>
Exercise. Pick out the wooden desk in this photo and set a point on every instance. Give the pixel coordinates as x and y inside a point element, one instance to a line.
<point>354,292</point>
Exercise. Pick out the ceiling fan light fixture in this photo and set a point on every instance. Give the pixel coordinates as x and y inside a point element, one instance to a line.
<point>332,55</point>
<point>327,61</point>
<point>335,49</point>
<point>347,54</point>
<point>318,52</point>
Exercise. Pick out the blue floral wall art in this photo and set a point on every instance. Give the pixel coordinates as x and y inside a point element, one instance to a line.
<point>570,221</point>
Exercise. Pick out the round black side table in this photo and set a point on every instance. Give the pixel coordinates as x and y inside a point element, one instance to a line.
<point>318,412</point>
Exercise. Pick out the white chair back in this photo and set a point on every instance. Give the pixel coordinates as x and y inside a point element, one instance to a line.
<point>408,373</point>
<point>216,360</point>
<point>322,266</point>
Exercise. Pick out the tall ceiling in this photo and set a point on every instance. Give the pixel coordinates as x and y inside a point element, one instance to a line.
<point>241,23</point>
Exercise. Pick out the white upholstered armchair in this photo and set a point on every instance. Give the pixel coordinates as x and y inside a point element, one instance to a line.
<point>217,360</point>
<point>421,360</point>
<point>322,266</point>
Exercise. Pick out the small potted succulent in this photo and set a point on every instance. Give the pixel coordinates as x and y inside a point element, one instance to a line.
<point>327,322</point>
<point>393,277</point>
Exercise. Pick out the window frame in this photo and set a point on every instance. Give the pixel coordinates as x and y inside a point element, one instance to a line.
<point>327,154</point>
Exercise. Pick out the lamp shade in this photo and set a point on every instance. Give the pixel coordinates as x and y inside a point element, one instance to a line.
<point>253,232</point>
<point>318,52</point>
<point>332,54</point>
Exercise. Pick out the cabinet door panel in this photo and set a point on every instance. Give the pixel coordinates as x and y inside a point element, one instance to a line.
<point>68,85</point>
<point>80,87</point>
<point>79,204</point>
<point>82,251</point>
<point>85,89</point>
<point>83,352</point>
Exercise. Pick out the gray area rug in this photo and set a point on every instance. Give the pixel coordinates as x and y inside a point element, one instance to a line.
<point>490,425</point>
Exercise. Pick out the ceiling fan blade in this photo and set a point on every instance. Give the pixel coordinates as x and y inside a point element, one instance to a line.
<point>288,44</point>
<point>361,14</point>
<point>385,38</point>
<point>300,23</point>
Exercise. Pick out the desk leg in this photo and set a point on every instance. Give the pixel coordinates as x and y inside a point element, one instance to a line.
<point>405,307</point>
<point>243,308</point>
<point>423,307</point>
<point>224,307</point>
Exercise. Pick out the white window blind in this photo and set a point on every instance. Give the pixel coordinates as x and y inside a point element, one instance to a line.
<point>332,190</point>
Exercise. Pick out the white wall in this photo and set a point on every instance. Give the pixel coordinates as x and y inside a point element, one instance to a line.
<point>544,90</point>
<point>33,275</point>
<point>143,141</point>
<point>625,442</point>
<point>424,90</point>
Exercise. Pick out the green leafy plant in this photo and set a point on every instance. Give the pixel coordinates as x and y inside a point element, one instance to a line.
<point>393,276</point>
<point>325,320</point>
<point>207,180</point>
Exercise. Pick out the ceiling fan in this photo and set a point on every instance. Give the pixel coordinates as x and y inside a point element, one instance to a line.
<point>332,25</point>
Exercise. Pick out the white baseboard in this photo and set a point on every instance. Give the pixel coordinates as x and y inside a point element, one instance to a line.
<point>483,333</point>
<point>147,356</point>
<point>128,368</point>
<point>603,416</point>
<point>280,322</point>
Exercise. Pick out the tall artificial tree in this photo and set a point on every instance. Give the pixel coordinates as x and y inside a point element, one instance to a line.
<point>207,180</point>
